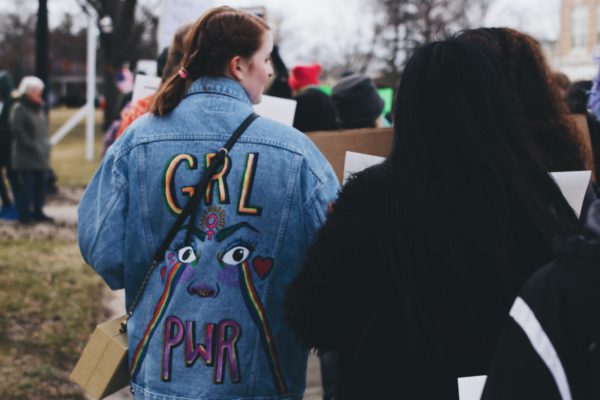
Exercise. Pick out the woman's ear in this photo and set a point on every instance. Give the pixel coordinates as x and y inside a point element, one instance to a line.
<point>236,68</point>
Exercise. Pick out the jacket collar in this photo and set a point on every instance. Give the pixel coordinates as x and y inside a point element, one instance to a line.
<point>219,85</point>
<point>30,103</point>
<point>585,245</point>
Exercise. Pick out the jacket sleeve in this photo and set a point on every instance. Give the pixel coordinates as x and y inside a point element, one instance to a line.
<point>101,220</point>
<point>326,305</point>
<point>517,372</point>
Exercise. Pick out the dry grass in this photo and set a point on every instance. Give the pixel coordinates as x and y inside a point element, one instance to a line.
<point>49,303</point>
<point>68,156</point>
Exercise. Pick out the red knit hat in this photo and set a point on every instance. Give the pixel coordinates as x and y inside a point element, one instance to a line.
<point>303,75</point>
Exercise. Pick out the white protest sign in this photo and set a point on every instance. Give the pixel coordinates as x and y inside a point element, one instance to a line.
<point>356,162</point>
<point>144,86</point>
<point>573,185</point>
<point>176,13</point>
<point>471,387</point>
<point>146,67</point>
<point>277,109</point>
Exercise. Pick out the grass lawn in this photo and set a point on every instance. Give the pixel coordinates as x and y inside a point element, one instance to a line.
<point>68,156</point>
<point>50,300</point>
<point>49,303</point>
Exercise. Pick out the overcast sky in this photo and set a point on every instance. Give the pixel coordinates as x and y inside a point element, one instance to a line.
<point>338,20</point>
<point>538,17</point>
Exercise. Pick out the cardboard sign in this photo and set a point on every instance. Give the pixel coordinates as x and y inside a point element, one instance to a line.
<point>144,86</point>
<point>573,185</point>
<point>471,387</point>
<point>335,144</point>
<point>277,109</point>
<point>146,67</point>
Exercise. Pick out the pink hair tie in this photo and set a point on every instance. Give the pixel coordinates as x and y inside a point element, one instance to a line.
<point>183,74</point>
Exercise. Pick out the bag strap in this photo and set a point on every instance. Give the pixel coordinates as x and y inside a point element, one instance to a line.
<point>191,209</point>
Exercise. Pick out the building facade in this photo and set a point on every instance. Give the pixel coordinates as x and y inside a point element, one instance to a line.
<point>579,41</point>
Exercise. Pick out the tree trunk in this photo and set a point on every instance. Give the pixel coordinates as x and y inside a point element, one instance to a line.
<point>112,96</point>
<point>41,44</point>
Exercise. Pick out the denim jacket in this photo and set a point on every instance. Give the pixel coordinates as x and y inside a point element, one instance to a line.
<point>210,322</point>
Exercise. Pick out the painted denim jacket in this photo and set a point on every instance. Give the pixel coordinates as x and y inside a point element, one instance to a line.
<point>210,324</point>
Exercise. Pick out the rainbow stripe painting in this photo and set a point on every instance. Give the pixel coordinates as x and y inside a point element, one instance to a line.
<point>259,315</point>
<point>159,311</point>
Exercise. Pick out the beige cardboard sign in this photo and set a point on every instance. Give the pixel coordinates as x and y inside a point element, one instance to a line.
<point>335,144</point>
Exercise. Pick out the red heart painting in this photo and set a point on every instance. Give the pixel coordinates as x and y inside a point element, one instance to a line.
<point>262,266</point>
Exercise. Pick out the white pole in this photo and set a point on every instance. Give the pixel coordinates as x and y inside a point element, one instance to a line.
<point>91,86</point>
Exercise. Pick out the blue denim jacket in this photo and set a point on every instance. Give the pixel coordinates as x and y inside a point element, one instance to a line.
<point>210,323</point>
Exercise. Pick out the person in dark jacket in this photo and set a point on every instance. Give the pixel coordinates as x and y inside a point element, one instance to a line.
<point>415,269</point>
<point>577,99</point>
<point>279,86</point>
<point>8,210</point>
<point>550,348</point>
<point>314,109</point>
<point>31,150</point>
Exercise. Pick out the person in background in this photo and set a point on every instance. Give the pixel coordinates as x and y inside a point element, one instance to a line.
<point>31,150</point>
<point>142,106</point>
<point>535,97</point>
<point>410,278</point>
<point>357,102</point>
<point>7,194</point>
<point>279,87</point>
<point>577,99</point>
<point>314,109</point>
<point>550,348</point>
<point>541,110</point>
<point>209,324</point>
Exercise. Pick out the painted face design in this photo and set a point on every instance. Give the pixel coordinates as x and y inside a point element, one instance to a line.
<point>218,268</point>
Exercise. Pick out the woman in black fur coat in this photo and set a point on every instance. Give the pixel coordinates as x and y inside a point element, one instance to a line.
<point>412,276</point>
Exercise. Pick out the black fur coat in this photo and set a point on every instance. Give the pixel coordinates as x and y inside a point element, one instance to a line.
<point>347,296</point>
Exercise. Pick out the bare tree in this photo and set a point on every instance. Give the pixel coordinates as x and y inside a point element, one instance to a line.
<point>408,24</point>
<point>124,27</point>
<point>17,44</point>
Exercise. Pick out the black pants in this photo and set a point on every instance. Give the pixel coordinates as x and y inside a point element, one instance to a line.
<point>31,185</point>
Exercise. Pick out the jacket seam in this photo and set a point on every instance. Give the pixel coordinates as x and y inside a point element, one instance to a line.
<point>199,137</point>
<point>144,199</point>
<point>111,204</point>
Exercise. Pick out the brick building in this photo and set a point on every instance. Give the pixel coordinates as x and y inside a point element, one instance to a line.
<point>579,40</point>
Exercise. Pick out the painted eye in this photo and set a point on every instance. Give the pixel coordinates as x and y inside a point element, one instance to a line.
<point>236,256</point>
<point>186,255</point>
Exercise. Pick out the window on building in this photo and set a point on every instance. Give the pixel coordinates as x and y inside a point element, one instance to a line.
<point>598,25</point>
<point>579,27</point>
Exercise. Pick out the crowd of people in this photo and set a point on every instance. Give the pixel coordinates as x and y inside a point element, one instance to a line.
<point>457,256</point>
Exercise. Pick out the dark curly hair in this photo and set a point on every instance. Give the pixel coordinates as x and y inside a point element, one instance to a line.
<point>535,96</point>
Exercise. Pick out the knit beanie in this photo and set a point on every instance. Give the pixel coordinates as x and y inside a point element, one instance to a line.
<point>304,75</point>
<point>357,101</point>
